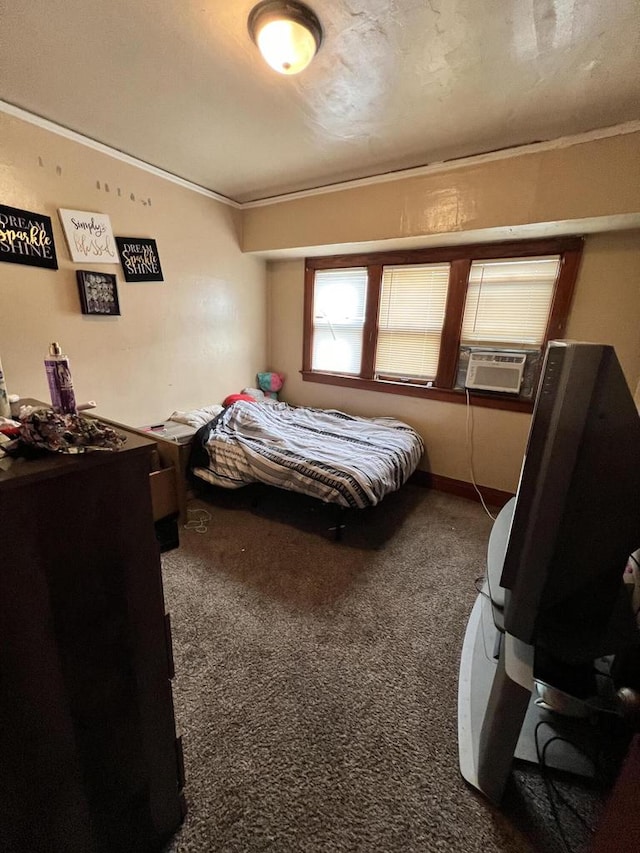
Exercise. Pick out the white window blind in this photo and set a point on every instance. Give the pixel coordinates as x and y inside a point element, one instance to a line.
<point>412,307</point>
<point>339,302</point>
<point>508,301</point>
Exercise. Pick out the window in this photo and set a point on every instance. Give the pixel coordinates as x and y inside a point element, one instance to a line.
<point>338,319</point>
<point>410,321</point>
<point>402,322</point>
<point>508,301</point>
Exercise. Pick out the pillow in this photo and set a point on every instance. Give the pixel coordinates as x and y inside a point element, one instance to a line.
<point>233,398</point>
<point>197,417</point>
<point>256,393</point>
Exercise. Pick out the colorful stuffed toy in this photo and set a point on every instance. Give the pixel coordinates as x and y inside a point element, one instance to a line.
<point>270,383</point>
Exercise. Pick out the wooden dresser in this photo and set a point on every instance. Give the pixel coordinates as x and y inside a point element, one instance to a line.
<point>89,757</point>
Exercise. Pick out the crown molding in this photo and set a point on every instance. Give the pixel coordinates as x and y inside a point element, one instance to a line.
<point>74,136</point>
<point>450,165</point>
<point>402,174</point>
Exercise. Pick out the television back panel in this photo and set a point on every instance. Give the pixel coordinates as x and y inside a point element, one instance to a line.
<point>576,517</point>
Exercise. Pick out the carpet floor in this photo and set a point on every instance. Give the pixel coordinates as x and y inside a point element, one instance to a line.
<point>316,681</point>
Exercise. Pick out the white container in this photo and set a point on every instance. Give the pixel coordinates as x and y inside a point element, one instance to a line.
<point>5,408</point>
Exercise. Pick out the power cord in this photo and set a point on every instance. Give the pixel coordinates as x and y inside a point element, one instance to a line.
<point>552,789</point>
<point>198,520</point>
<point>470,451</point>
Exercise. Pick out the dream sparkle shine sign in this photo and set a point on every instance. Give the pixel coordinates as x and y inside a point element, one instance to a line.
<point>139,259</point>
<point>26,238</point>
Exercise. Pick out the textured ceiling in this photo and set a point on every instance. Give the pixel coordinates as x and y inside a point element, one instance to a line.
<point>396,84</point>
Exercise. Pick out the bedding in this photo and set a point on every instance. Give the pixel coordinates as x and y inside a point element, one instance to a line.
<point>197,417</point>
<point>336,457</point>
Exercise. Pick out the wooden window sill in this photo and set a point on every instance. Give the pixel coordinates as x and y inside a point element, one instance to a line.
<point>446,395</point>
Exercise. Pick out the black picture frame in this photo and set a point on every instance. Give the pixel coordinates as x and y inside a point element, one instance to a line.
<point>139,259</point>
<point>98,293</point>
<point>26,238</point>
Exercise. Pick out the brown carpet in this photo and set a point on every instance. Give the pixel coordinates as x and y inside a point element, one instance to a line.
<point>316,681</point>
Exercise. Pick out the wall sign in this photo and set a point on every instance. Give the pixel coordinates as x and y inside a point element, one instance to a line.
<point>98,292</point>
<point>139,259</point>
<point>26,238</point>
<point>89,236</point>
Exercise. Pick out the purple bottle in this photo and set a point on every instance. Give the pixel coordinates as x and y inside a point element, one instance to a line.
<point>63,398</point>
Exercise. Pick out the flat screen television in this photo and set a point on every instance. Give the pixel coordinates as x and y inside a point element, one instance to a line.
<point>577,511</point>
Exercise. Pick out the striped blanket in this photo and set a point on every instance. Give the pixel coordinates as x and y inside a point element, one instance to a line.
<point>324,453</point>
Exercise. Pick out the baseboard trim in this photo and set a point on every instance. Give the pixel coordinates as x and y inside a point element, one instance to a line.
<point>493,497</point>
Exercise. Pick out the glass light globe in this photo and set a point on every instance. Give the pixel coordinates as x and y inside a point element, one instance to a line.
<point>287,46</point>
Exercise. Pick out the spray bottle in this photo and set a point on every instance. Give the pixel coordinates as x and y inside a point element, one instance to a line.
<point>58,371</point>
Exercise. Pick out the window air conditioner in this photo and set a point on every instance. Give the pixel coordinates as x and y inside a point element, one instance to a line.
<point>495,371</point>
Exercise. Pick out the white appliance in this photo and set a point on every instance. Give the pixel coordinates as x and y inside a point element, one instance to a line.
<point>495,371</point>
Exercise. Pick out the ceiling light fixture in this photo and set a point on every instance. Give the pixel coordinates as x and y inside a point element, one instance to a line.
<point>288,34</point>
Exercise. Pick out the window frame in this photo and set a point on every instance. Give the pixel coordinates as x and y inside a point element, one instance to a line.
<point>460,259</point>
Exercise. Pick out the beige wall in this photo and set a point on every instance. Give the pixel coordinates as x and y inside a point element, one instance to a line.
<point>606,305</point>
<point>203,333</point>
<point>591,180</point>
<point>180,344</point>
<point>606,309</point>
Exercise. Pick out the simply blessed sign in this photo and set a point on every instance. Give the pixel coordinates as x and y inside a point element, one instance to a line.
<point>89,236</point>
<point>139,259</point>
<point>26,238</point>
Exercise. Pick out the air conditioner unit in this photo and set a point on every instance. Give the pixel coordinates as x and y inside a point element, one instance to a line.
<point>495,371</point>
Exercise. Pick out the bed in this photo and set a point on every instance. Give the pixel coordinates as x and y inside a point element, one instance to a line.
<point>327,454</point>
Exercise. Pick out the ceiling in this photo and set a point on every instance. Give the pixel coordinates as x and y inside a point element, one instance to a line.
<point>396,84</point>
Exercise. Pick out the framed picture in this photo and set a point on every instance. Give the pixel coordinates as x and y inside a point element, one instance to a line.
<point>139,259</point>
<point>98,293</point>
<point>26,238</point>
<point>89,236</point>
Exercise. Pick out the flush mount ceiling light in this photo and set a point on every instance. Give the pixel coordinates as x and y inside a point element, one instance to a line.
<point>288,34</point>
